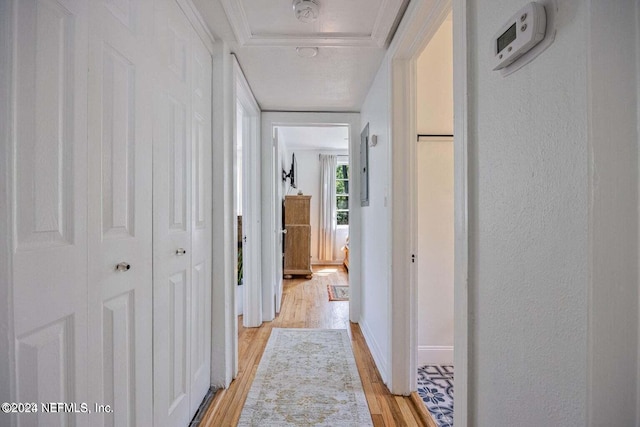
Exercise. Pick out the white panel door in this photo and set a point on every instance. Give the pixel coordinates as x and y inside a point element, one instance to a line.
<point>120,106</point>
<point>200,223</point>
<point>49,179</point>
<point>172,219</point>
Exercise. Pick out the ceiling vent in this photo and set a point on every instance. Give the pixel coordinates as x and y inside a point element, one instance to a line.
<point>306,10</point>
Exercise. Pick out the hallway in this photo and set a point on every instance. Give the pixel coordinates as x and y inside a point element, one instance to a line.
<point>306,305</point>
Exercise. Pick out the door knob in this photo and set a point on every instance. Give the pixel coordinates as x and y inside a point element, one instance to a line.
<point>123,266</point>
<point>181,252</point>
<point>284,231</point>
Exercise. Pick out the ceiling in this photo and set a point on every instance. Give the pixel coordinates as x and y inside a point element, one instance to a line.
<point>351,37</point>
<point>329,138</point>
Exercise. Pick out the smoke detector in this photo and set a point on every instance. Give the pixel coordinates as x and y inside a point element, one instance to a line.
<point>306,10</point>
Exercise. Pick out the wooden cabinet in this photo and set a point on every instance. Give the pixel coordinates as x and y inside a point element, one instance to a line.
<point>297,241</point>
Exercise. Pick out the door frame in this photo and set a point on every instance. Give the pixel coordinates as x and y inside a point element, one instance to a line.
<point>7,100</point>
<point>271,234</point>
<point>415,34</point>
<point>251,211</point>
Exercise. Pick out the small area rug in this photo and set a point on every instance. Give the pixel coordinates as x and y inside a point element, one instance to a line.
<point>306,377</point>
<point>338,293</point>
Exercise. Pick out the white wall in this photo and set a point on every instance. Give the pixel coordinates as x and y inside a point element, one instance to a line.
<point>239,174</point>
<point>552,221</point>
<point>612,70</point>
<point>434,188</point>
<point>309,184</point>
<point>553,281</point>
<point>434,78</point>
<point>434,279</point>
<point>375,321</point>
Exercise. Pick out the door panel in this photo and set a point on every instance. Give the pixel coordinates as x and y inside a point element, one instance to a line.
<point>49,227</point>
<point>120,185</point>
<point>177,322</point>
<point>201,223</point>
<point>172,220</point>
<point>91,111</point>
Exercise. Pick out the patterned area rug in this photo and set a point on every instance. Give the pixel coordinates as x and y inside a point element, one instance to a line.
<point>307,377</point>
<point>435,387</point>
<point>338,293</point>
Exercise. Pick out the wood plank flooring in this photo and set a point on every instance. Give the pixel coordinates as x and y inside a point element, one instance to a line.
<point>306,304</point>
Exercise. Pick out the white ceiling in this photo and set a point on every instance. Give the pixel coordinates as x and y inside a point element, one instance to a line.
<point>329,138</point>
<point>351,37</point>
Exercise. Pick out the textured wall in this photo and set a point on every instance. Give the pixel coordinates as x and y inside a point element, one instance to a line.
<point>375,225</point>
<point>529,247</point>
<point>554,222</point>
<point>613,175</point>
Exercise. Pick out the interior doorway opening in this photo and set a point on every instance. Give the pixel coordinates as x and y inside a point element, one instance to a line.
<point>433,205</point>
<point>313,207</point>
<point>427,18</point>
<point>247,179</point>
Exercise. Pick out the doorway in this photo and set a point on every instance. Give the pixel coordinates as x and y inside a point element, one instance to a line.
<point>275,159</point>
<point>314,179</point>
<point>248,286</point>
<point>434,220</point>
<point>427,20</point>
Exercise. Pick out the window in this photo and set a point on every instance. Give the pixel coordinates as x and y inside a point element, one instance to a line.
<point>342,194</point>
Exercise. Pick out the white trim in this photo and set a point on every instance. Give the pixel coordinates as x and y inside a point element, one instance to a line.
<point>333,262</point>
<point>383,23</point>
<point>461,213</point>
<point>7,97</point>
<point>638,242</point>
<point>435,355</point>
<point>251,211</point>
<point>378,356</point>
<point>269,238</point>
<point>197,21</point>
<point>224,337</point>
<point>423,18</point>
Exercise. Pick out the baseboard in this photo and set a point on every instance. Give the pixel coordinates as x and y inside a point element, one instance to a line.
<point>378,357</point>
<point>435,355</point>
<point>421,409</point>
<point>335,262</point>
<point>239,300</point>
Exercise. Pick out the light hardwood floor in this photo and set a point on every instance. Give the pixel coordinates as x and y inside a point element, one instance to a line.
<point>306,305</point>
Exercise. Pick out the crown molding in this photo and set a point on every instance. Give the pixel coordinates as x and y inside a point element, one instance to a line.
<point>385,18</point>
<point>198,23</point>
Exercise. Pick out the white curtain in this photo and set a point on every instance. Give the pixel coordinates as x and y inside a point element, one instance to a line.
<point>327,229</point>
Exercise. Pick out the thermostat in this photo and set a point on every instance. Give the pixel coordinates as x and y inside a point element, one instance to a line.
<point>519,34</point>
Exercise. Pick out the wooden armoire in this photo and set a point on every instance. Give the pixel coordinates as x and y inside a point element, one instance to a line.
<point>297,241</point>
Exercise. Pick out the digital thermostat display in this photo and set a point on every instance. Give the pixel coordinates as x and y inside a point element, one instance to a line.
<point>519,34</point>
<point>506,38</point>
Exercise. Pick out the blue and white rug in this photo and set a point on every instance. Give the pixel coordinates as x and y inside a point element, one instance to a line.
<point>435,387</point>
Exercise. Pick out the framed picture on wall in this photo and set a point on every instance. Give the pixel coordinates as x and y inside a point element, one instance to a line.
<point>364,166</point>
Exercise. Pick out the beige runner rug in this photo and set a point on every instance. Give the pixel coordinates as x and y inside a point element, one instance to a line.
<point>307,377</point>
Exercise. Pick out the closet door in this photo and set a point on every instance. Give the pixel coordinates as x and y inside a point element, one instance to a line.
<point>120,105</point>
<point>172,224</point>
<point>201,223</point>
<point>48,182</point>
